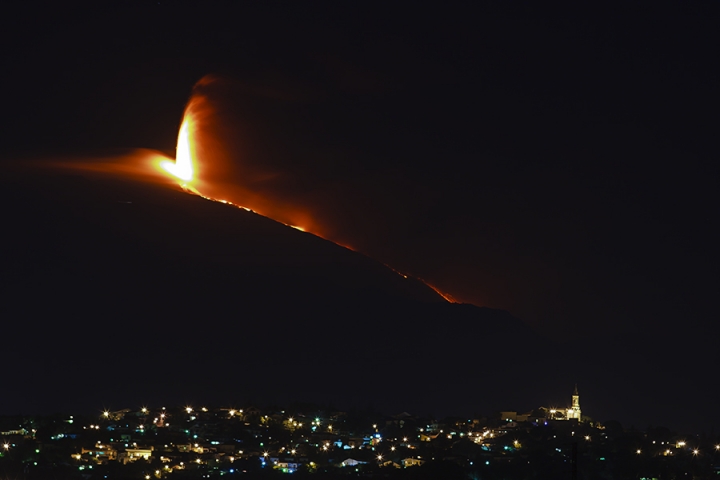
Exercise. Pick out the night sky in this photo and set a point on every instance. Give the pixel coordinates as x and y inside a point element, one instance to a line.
<point>560,165</point>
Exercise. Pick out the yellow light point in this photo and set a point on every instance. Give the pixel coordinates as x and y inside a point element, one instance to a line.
<point>106,414</point>
<point>144,410</point>
<point>6,446</point>
<point>188,409</point>
<point>232,413</point>
<point>587,437</point>
<point>392,448</point>
<point>638,451</point>
<point>696,451</point>
<point>379,457</point>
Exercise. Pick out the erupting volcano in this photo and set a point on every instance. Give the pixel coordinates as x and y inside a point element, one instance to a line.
<point>188,158</point>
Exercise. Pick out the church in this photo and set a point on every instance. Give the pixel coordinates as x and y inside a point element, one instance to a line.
<point>571,413</point>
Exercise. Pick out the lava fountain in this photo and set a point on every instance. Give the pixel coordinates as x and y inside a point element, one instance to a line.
<point>184,167</point>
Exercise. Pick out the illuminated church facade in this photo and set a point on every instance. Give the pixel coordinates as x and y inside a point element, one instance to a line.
<point>574,411</point>
<point>571,413</point>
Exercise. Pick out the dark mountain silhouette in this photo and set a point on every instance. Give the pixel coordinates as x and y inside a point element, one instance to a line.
<point>118,289</point>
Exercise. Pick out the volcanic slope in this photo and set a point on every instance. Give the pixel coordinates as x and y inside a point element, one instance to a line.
<point>119,290</point>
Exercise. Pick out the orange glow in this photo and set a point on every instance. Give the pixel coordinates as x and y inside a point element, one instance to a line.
<point>183,166</point>
<point>201,158</point>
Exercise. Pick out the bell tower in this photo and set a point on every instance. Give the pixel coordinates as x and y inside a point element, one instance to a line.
<point>574,410</point>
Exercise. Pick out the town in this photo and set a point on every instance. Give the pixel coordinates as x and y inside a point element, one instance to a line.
<point>195,441</point>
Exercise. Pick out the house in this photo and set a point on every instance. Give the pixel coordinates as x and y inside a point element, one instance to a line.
<point>412,462</point>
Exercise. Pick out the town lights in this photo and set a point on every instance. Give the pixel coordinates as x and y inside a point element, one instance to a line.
<point>188,409</point>
<point>379,457</point>
<point>106,414</point>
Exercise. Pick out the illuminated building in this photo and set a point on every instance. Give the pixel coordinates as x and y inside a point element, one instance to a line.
<point>571,413</point>
<point>574,411</point>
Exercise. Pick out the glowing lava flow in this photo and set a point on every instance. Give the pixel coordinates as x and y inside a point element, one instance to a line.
<point>184,169</point>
